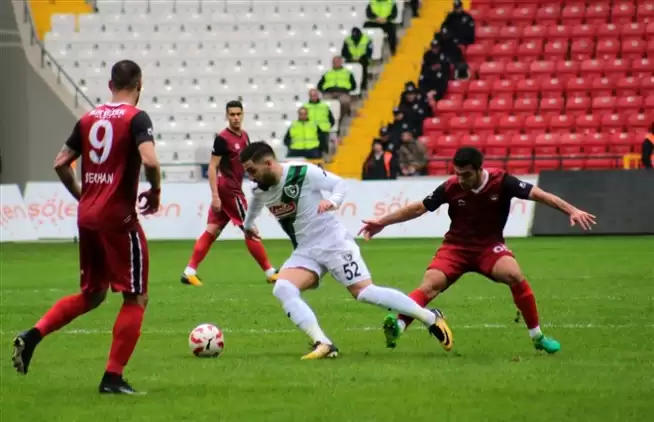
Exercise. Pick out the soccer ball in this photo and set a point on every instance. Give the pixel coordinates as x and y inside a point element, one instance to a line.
<point>206,341</point>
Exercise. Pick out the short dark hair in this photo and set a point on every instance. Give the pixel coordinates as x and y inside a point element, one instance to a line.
<point>468,156</point>
<point>125,75</point>
<point>234,104</point>
<point>256,151</point>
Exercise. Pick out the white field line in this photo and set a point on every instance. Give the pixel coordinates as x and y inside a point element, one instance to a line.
<point>358,329</point>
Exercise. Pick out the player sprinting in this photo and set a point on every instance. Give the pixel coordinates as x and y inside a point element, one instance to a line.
<point>113,141</point>
<point>479,203</point>
<point>228,202</point>
<point>292,193</point>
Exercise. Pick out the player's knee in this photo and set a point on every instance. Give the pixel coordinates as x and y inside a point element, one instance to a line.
<point>95,299</point>
<point>285,290</point>
<point>213,229</point>
<point>141,300</point>
<point>433,283</point>
<point>511,277</point>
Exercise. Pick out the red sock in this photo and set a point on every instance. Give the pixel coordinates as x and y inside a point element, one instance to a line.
<point>525,301</point>
<point>258,252</point>
<point>418,297</point>
<point>62,313</point>
<point>126,333</point>
<point>201,248</point>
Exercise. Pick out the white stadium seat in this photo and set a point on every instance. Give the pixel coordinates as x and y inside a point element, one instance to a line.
<point>198,54</point>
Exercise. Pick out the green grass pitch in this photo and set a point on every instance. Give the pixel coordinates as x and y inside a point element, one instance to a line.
<point>595,295</point>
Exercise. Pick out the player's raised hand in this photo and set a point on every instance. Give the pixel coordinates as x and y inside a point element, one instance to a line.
<point>252,234</point>
<point>370,228</point>
<point>149,201</point>
<point>325,205</point>
<point>216,205</point>
<point>584,219</point>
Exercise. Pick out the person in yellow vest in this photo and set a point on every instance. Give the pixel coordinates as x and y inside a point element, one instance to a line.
<point>648,149</point>
<point>380,164</point>
<point>337,83</point>
<point>382,14</point>
<point>319,111</point>
<point>357,48</point>
<point>304,138</point>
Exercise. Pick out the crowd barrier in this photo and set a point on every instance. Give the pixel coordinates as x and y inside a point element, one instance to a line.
<point>47,211</point>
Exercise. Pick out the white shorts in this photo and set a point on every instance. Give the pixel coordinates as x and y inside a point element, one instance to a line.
<point>343,262</point>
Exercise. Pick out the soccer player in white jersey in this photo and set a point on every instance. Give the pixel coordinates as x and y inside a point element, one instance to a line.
<point>292,193</point>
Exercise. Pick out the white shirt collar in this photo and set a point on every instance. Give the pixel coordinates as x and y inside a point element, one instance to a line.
<point>484,182</point>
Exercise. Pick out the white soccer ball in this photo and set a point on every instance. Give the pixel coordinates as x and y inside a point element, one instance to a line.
<point>206,341</point>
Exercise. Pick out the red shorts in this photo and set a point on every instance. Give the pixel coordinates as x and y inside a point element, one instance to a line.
<point>116,259</point>
<point>233,208</point>
<point>454,261</point>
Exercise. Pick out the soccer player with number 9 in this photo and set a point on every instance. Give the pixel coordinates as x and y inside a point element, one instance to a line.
<point>113,141</point>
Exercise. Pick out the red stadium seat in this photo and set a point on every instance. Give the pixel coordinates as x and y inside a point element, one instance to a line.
<point>474,140</point>
<point>591,68</point>
<point>626,87</point>
<point>523,14</point>
<point>573,163</point>
<point>596,144</point>
<point>650,48</point>
<point>633,48</point>
<point>646,85</point>
<point>458,87</point>
<point>629,104</point>
<point>586,31</point>
<point>479,12</point>
<point>546,164</point>
<point>509,33</point>
<point>623,12</point>
<point>447,108</point>
<point>495,163</point>
<point>552,87</point>
<point>603,105</point>
<point>602,87</point>
<point>460,124</point>
<point>435,124</point>
<point>546,144</point>
<point>571,143</point>
<point>578,87</point>
<point>536,124</point>
<point>504,52</point>
<point>555,50</point>
<point>475,106</point>
<point>582,49</point>
<point>499,16</point>
<point>509,124</point>
<point>642,67</point>
<point>561,124</point>
<point>576,106</point>
<point>485,35</point>
<point>618,68</point>
<point>649,29</point>
<point>649,102</point>
<point>525,106</point>
<point>597,13</point>
<point>620,143</point>
<point>588,123</point>
<point>548,15</point>
<point>437,167</point>
<point>519,166</point>
<point>645,11</point>
<point>497,145</point>
<point>477,53</point>
<point>608,31</point>
<point>446,145</point>
<point>527,88</point>
<point>559,33</point>
<point>566,70</point>
<point>500,106</point>
<point>516,71</point>
<point>607,49</point>
<point>534,32</point>
<point>633,30</point>
<point>542,69</point>
<point>484,125</point>
<point>522,145</point>
<point>594,163</point>
<point>612,123</point>
<point>530,50</point>
<point>551,105</point>
<point>503,87</point>
<point>479,89</point>
<point>573,14</point>
<point>491,70</point>
<point>639,122</point>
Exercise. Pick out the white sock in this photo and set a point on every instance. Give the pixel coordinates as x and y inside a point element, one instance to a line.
<point>270,272</point>
<point>401,324</point>
<point>298,311</point>
<point>397,301</point>
<point>535,332</point>
<point>189,271</point>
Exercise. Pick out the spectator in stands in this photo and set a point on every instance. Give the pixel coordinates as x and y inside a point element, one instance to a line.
<point>385,139</point>
<point>382,14</point>
<point>414,110</point>
<point>648,149</point>
<point>337,83</point>
<point>397,128</point>
<point>436,72</point>
<point>415,7</point>
<point>319,111</point>
<point>304,138</point>
<point>460,24</point>
<point>357,48</point>
<point>413,156</point>
<point>380,164</point>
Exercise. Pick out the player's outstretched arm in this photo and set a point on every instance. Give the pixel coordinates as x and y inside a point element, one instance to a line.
<point>577,216</point>
<point>254,209</point>
<point>323,180</point>
<point>409,212</point>
<point>63,166</point>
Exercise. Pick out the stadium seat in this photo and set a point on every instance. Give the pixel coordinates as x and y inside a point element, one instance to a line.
<point>527,88</point>
<point>499,16</point>
<point>519,166</point>
<point>577,105</point>
<point>607,49</point>
<point>435,124</point>
<point>473,107</point>
<point>446,145</point>
<point>578,87</point>
<point>640,122</point>
<point>504,52</point>
<point>603,105</point>
<point>458,87</point>
<point>509,33</point>
<point>437,167</point>
<point>555,50</point>
<point>595,144</point>
<point>523,14</point>
<point>510,124</point>
<point>558,33</point>
<point>592,68</point>
<point>561,124</point>
<point>627,86</point>
<point>633,48</point>
<point>571,143</point>
<point>484,125</point>
<point>581,49</point>
<point>551,87</point>
<point>623,12</point>
<point>503,87</point>
<point>479,89</point>
<point>521,145</point>
<point>541,164</point>
<point>477,53</point>
<point>516,71</point>
<point>548,15</point>
<point>620,143</point>
<point>615,69</point>
<point>608,31</point>
<point>499,106</point>
<point>598,13</point>
<point>588,123</point>
<point>645,11</point>
<point>531,50</point>
<point>489,71</point>
<point>495,163</point>
<point>485,36</point>
<point>542,69</point>
<point>633,30</point>
<point>447,109</point>
<point>648,102</point>
<point>536,124</point>
<point>565,70</point>
<point>646,85</point>
<point>546,144</point>
<point>525,106</point>
<point>586,31</point>
<point>460,124</point>
<point>642,67</point>
<point>534,32</point>
<point>612,123</point>
<point>630,104</point>
<point>551,105</point>
<point>602,87</point>
<point>473,140</point>
<point>598,163</point>
<point>497,145</point>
